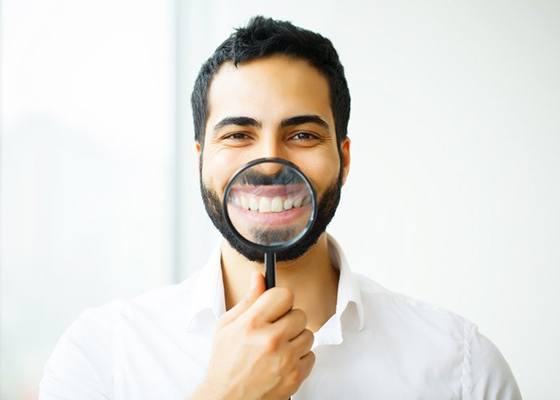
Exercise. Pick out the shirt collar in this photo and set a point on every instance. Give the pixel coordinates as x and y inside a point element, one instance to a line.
<point>348,301</point>
<point>208,300</point>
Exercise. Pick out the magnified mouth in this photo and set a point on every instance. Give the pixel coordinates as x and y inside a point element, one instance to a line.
<point>269,206</point>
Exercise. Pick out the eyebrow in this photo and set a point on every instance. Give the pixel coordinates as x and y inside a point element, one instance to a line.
<point>242,121</point>
<point>304,119</point>
<point>292,121</point>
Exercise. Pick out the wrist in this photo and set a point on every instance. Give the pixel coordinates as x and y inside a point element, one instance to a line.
<point>209,391</point>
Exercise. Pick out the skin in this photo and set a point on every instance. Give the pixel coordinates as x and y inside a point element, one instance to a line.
<point>271,90</point>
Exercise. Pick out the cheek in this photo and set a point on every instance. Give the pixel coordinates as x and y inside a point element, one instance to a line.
<point>321,170</point>
<point>217,168</point>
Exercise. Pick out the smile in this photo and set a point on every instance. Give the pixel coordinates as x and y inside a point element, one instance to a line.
<point>270,205</point>
<point>270,198</point>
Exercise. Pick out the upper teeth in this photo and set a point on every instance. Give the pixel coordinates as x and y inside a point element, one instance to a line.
<point>269,204</point>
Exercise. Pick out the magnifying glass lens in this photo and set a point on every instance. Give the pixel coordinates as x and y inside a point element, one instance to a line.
<point>270,204</point>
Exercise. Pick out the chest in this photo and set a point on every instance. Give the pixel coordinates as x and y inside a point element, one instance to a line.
<point>365,373</point>
<point>165,364</point>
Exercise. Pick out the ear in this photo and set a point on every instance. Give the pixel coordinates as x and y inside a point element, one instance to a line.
<point>345,150</point>
<point>198,149</point>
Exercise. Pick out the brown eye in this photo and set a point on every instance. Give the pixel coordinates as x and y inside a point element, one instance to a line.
<point>304,136</point>
<point>236,136</point>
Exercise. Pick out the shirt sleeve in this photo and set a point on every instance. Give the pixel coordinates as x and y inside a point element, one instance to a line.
<point>489,375</point>
<point>81,364</point>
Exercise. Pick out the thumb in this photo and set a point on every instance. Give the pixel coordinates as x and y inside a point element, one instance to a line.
<point>256,288</point>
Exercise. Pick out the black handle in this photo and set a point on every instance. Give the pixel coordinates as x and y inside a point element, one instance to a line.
<point>270,273</point>
<point>270,269</point>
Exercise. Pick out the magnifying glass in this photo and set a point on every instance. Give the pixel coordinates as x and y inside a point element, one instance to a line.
<point>270,205</point>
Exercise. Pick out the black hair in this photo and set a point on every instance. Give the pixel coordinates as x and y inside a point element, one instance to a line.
<point>263,37</point>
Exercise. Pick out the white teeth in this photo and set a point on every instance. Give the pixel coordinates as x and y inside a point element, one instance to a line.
<point>276,204</point>
<point>264,204</point>
<point>267,204</point>
<point>253,205</point>
<point>288,203</point>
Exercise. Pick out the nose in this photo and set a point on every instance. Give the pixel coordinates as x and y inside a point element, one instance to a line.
<point>270,168</point>
<point>272,145</point>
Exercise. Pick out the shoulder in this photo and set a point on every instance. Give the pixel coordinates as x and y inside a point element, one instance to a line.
<point>488,371</point>
<point>402,309</point>
<point>484,372</point>
<point>82,362</point>
<point>160,301</point>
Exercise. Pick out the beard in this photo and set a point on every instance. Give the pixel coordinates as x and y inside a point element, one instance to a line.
<point>326,209</point>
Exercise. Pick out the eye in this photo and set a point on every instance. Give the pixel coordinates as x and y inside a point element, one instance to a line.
<point>236,136</point>
<point>304,136</point>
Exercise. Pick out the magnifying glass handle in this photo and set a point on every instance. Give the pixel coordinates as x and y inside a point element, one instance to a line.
<point>270,273</point>
<point>270,269</point>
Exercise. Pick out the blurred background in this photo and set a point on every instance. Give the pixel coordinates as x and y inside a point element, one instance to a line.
<point>453,195</point>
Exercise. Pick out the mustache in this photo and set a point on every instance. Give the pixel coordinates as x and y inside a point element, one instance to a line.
<point>284,176</point>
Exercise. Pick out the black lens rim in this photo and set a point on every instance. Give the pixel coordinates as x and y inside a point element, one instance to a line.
<point>292,242</point>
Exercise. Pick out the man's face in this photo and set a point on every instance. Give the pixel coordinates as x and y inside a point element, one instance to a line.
<point>271,107</point>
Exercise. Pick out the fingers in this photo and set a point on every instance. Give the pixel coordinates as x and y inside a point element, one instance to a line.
<point>290,325</point>
<point>256,288</point>
<point>294,379</point>
<point>272,304</point>
<point>291,382</point>
<point>305,365</point>
<point>302,343</point>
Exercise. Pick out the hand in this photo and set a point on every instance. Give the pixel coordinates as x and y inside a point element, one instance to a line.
<point>261,349</point>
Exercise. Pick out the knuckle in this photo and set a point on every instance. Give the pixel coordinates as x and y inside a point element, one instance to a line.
<point>286,364</point>
<point>311,359</point>
<point>251,323</point>
<point>301,315</point>
<point>271,344</point>
<point>309,335</point>
<point>308,338</point>
<point>285,295</point>
<point>294,378</point>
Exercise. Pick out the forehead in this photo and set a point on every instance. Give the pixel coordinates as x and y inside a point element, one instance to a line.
<point>269,89</point>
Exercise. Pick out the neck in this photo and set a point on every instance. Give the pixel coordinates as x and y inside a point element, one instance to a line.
<point>312,278</point>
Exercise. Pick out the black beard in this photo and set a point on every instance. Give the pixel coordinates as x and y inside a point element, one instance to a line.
<point>325,212</point>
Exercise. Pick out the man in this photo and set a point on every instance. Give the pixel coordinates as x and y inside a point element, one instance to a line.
<point>274,90</point>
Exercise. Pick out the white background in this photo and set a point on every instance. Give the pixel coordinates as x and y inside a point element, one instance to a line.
<point>453,192</point>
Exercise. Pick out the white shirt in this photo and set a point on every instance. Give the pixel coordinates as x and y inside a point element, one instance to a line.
<point>378,345</point>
